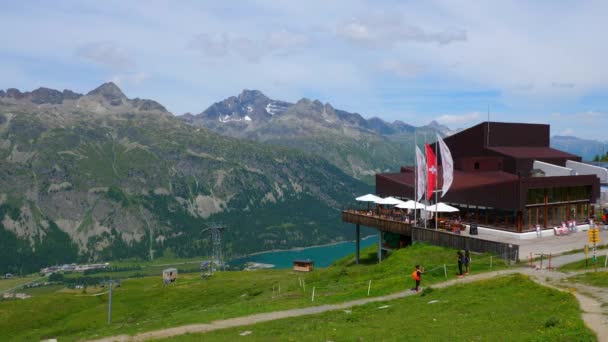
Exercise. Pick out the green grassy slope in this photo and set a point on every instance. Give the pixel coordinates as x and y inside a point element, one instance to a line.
<point>599,279</point>
<point>510,308</point>
<point>144,304</point>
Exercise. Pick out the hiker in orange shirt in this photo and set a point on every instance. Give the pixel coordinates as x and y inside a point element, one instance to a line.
<point>417,275</point>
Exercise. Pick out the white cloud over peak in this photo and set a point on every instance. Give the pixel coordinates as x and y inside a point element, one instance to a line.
<point>248,47</point>
<point>389,29</point>
<point>454,119</point>
<point>401,69</point>
<point>130,77</point>
<point>108,54</point>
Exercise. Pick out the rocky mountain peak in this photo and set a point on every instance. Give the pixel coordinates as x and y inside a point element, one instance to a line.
<point>250,107</point>
<point>109,91</point>
<point>14,93</point>
<point>46,95</point>
<point>41,95</point>
<point>441,129</point>
<point>252,96</point>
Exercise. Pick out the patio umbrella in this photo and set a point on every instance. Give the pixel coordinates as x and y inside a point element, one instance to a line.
<point>390,201</point>
<point>441,208</point>
<point>411,205</point>
<point>368,198</point>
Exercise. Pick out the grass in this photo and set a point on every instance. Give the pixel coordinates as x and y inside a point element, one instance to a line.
<point>162,261</point>
<point>578,250</point>
<point>152,270</point>
<point>36,291</point>
<point>6,284</point>
<point>144,304</point>
<point>510,308</point>
<point>599,279</point>
<point>585,264</point>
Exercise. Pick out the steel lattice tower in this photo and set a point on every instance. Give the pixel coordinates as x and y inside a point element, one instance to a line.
<point>217,249</point>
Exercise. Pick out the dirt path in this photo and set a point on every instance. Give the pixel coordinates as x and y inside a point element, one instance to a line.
<point>594,315</point>
<point>270,316</point>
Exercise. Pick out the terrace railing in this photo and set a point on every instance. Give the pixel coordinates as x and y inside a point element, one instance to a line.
<point>396,223</point>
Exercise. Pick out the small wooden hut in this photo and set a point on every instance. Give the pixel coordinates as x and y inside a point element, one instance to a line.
<point>303,265</point>
<point>169,275</point>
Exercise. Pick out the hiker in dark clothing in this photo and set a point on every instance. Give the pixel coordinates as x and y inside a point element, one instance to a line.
<point>467,261</point>
<point>417,275</point>
<point>460,262</point>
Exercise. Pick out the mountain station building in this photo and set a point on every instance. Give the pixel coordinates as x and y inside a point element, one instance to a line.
<point>506,177</point>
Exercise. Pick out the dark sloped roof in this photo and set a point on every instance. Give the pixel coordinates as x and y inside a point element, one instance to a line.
<point>531,152</point>
<point>462,180</point>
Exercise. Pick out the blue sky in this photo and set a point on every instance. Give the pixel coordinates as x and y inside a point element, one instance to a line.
<point>415,61</point>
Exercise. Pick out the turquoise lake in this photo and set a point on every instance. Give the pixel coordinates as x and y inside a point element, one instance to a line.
<point>323,256</point>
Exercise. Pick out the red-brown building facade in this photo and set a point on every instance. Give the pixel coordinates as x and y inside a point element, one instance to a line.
<point>495,184</point>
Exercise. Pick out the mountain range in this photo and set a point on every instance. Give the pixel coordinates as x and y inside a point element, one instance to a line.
<point>100,176</point>
<point>586,148</point>
<point>361,147</point>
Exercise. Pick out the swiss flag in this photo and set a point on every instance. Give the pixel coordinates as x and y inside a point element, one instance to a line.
<point>431,171</point>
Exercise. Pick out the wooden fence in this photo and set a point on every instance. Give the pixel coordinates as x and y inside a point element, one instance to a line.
<point>447,239</point>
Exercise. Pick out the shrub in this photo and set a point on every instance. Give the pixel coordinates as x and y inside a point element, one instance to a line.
<point>427,291</point>
<point>551,322</point>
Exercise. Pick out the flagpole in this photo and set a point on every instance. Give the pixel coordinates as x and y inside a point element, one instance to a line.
<point>426,215</point>
<point>436,185</point>
<point>415,178</point>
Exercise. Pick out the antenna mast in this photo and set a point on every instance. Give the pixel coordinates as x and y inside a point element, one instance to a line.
<point>488,142</point>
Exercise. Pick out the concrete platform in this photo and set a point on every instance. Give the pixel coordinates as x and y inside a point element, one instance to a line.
<point>548,243</point>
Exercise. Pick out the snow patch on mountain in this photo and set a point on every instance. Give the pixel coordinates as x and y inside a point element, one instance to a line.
<point>272,108</point>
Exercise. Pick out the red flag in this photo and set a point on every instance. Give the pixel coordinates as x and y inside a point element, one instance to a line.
<point>431,174</point>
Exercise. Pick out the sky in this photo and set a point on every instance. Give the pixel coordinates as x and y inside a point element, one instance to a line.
<point>415,61</point>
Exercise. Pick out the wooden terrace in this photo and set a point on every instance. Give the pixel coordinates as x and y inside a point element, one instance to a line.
<point>387,222</point>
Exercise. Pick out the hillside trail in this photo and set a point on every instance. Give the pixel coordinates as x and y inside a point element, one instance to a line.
<point>594,315</point>
<point>590,298</point>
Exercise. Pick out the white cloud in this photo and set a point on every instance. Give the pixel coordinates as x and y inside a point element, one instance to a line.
<point>132,78</point>
<point>252,49</point>
<point>284,39</point>
<point>562,85</point>
<point>454,119</point>
<point>401,69</point>
<point>592,117</point>
<point>586,117</point>
<point>388,29</point>
<point>108,54</point>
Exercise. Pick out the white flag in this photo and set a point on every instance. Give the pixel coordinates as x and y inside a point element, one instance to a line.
<point>421,172</point>
<point>447,166</point>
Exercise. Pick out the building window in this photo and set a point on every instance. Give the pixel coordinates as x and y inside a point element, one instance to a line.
<point>476,166</point>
